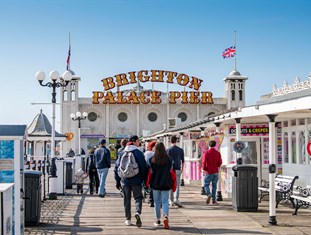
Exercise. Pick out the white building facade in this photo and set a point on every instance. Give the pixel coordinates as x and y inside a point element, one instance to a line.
<point>138,111</point>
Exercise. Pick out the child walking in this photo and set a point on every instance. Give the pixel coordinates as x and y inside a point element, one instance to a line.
<point>80,176</point>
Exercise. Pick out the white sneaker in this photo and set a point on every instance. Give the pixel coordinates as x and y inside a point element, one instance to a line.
<point>127,222</point>
<point>177,203</point>
<point>157,223</point>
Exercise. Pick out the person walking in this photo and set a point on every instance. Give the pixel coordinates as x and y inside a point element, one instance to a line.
<point>148,155</point>
<point>211,161</point>
<point>130,175</point>
<point>162,179</point>
<point>121,149</point>
<point>177,155</point>
<point>91,171</point>
<point>103,163</point>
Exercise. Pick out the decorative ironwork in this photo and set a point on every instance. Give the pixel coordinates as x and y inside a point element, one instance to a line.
<point>295,87</point>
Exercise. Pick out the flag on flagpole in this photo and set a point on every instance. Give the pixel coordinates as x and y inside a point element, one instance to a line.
<point>229,52</point>
<point>68,58</point>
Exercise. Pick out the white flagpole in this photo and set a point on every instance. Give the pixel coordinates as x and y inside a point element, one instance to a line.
<point>235,51</point>
<point>70,52</point>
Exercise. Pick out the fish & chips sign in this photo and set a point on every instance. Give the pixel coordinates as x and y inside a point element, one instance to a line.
<point>153,97</point>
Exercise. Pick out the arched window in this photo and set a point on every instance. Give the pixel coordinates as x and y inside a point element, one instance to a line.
<point>240,95</point>
<point>232,95</point>
<point>65,94</point>
<point>302,148</point>
<point>285,147</point>
<point>294,148</point>
<point>73,95</point>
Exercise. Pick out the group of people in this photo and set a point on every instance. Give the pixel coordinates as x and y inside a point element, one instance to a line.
<point>157,170</point>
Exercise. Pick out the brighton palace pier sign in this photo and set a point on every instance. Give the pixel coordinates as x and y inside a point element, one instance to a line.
<point>154,97</point>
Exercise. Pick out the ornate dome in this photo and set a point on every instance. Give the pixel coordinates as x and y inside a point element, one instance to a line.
<point>235,73</point>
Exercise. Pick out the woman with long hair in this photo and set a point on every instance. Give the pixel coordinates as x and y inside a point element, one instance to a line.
<point>162,179</point>
<point>92,171</point>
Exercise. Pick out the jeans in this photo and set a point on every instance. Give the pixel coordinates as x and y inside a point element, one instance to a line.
<point>208,179</point>
<point>174,196</point>
<point>138,196</point>
<point>160,197</point>
<point>102,174</point>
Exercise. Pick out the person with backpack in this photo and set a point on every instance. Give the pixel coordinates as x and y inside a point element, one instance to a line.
<point>130,175</point>
<point>121,149</point>
<point>162,179</point>
<point>91,171</point>
<point>103,163</point>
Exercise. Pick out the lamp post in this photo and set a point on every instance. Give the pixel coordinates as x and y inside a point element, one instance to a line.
<point>78,117</point>
<point>54,83</point>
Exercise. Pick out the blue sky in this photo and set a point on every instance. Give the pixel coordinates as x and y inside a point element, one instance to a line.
<point>112,37</point>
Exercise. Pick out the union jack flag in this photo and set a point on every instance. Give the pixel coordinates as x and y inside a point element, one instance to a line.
<point>229,52</point>
<point>68,58</point>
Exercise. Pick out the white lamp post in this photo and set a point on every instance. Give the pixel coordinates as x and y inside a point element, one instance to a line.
<point>78,117</point>
<point>54,83</point>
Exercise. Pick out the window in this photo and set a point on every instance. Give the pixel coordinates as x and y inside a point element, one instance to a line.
<point>92,117</point>
<point>73,95</point>
<point>301,121</point>
<point>294,148</point>
<point>302,148</point>
<point>240,95</point>
<point>65,93</point>
<point>122,117</point>
<point>285,141</point>
<point>152,117</point>
<point>182,116</point>
<point>232,95</point>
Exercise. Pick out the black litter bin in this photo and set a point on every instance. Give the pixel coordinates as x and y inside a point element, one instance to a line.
<point>245,188</point>
<point>68,175</point>
<point>32,197</point>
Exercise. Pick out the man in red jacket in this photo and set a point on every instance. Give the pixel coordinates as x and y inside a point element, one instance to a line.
<point>211,161</point>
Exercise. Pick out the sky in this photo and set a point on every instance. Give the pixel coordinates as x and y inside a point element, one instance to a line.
<point>113,37</point>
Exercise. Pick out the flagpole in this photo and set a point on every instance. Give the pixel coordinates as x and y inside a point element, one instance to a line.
<point>235,50</point>
<point>70,52</point>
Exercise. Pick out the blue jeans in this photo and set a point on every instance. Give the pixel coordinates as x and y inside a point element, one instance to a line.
<point>160,197</point>
<point>174,196</point>
<point>102,174</point>
<point>207,181</point>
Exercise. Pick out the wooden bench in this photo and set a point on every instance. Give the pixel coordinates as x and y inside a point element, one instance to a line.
<point>302,197</point>
<point>283,187</point>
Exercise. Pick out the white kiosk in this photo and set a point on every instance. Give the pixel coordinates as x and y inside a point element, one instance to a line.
<point>12,139</point>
